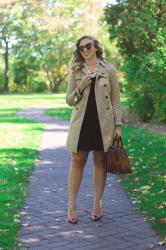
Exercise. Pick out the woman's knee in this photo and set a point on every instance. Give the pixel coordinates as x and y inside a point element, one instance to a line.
<point>79,158</point>
<point>98,158</point>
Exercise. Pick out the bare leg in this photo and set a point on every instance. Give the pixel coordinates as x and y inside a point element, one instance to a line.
<point>99,178</point>
<point>78,161</point>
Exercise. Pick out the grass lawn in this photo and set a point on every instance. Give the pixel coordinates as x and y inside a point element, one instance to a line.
<point>18,150</point>
<point>19,144</point>
<point>146,185</point>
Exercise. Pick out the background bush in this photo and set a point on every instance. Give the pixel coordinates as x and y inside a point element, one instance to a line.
<point>139,30</point>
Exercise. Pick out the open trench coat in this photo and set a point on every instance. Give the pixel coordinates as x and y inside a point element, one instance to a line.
<point>107,95</point>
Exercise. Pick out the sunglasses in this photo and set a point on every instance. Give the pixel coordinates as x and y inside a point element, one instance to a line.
<point>86,46</point>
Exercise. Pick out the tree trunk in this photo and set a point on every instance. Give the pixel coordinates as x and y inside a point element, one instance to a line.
<point>57,82</point>
<point>6,58</point>
<point>49,78</point>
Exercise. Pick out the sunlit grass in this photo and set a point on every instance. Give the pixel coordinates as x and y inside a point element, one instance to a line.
<point>28,101</point>
<point>19,145</point>
<point>62,112</point>
<point>146,185</point>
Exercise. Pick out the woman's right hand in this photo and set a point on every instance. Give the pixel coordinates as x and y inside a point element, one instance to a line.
<point>84,82</point>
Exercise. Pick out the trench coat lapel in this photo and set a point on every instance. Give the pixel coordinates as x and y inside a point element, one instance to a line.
<point>102,71</point>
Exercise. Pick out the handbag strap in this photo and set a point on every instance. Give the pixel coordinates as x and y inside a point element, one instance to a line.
<point>118,141</point>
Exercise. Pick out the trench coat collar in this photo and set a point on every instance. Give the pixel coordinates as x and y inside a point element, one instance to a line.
<point>102,71</point>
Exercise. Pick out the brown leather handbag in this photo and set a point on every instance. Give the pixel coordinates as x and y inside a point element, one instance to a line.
<point>116,159</point>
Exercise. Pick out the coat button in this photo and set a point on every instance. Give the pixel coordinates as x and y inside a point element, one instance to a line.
<point>76,108</point>
<point>105,85</point>
<point>106,96</point>
<point>107,108</point>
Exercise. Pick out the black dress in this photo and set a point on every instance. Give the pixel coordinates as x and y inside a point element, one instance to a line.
<point>90,135</point>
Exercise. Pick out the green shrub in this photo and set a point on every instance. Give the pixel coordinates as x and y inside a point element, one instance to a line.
<point>37,86</point>
<point>146,87</point>
<point>138,27</point>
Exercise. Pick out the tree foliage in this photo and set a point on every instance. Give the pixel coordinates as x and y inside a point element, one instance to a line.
<point>6,32</point>
<point>41,38</point>
<point>139,29</point>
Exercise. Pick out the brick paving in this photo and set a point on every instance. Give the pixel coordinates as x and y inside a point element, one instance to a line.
<point>44,215</point>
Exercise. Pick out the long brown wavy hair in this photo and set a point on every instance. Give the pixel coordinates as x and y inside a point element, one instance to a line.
<point>77,60</point>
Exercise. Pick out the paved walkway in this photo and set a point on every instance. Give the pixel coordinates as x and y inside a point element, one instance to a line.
<point>44,216</point>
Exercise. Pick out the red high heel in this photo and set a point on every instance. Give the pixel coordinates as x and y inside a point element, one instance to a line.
<point>97,217</point>
<point>73,220</point>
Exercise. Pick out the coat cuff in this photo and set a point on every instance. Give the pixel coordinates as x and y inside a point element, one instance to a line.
<point>77,95</point>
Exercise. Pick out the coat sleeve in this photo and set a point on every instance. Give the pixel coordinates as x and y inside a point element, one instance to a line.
<point>115,95</point>
<point>73,95</point>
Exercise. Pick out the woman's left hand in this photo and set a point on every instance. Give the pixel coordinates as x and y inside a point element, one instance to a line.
<point>118,132</point>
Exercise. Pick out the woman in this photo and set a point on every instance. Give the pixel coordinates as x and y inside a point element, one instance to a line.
<point>93,91</point>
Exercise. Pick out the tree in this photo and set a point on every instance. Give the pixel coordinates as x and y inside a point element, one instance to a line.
<point>139,29</point>
<point>42,35</point>
<point>6,32</point>
<point>55,38</point>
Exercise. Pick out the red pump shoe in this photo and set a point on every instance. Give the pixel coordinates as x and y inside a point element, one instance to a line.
<point>95,217</point>
<point>73,220</point>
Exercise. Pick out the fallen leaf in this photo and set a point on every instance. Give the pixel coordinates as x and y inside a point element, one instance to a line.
<point>99,225</point>
<point>26,225</point>
<point>150,245</point>
<point>57,219</point>
<point>17,221</point>
<point>163,204</point>
<point>85,210</point>
<point>161,243</point>
<point>11,199</point>
<point>163,220</point>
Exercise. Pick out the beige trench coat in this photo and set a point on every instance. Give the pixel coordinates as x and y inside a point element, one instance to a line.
<point>107,100</point>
